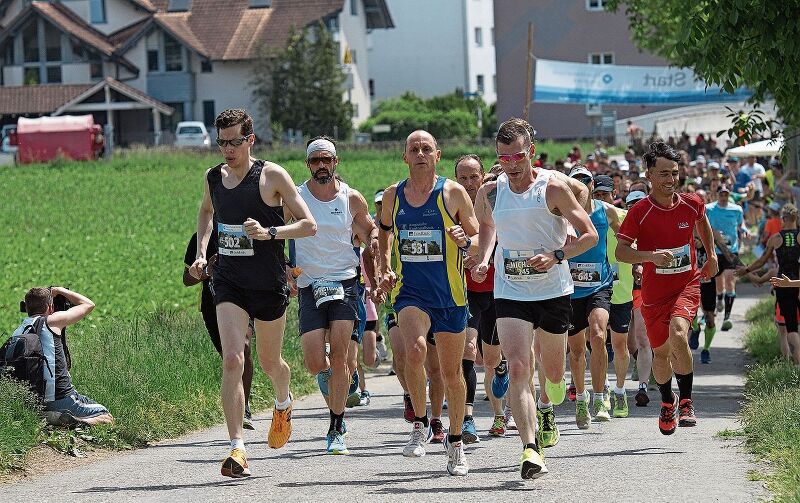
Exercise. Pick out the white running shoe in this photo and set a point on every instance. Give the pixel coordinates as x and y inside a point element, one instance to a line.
<point>456,458</point>
<point>509,419</point>
<point>415,448</point>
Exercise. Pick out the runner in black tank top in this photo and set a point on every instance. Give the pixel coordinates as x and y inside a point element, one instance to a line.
<point>787,250</point>
<point>244,199</point>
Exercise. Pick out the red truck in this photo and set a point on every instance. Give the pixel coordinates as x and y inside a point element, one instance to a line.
<point>46,138</point>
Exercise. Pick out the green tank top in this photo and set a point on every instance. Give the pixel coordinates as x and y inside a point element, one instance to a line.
<point>623,273</point>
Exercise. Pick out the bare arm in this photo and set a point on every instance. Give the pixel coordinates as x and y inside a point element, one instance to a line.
<point>487,231</point>
<point>204,216</point>
<point>467,229</point>
<point>579,190</point>
<point>365,230</point>
<point>304,225</point>
<point>773,242</point>
<point>703,229</point>
<point>82,306</point>
<point>613,218</point>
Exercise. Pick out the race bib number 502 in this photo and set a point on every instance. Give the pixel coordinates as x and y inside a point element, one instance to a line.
<point>233,241</point>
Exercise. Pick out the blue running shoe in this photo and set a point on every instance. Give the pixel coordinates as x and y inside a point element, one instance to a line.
<point>694,338</point>
<point>322,380</point>
<point>469,433</point>
<point>336,443</point>
<point>705,356</point>
<point>500,380</point>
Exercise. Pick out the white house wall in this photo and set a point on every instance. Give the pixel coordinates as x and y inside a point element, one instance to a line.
<point>353,35</point>
<point>424,53</point>
<point>480,13</point>
<point>119,13</point>
<point>228,86</point>
<point>75,73</point>
<point>13,75</point>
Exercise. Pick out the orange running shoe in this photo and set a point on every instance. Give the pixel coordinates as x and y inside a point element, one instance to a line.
<point>235,465</point>
<point>281,428</point>
<point>668,419</point>
<point>686,415</point>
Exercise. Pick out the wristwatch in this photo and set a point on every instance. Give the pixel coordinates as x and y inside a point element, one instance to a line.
<point>272,231</point>
<point>559,255</point>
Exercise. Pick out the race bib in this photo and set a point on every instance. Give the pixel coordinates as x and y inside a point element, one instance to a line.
<point>615,271</point>
<point>586,274</point>
<point>233,241</point>
<point>681,262</point>
<point>421,246</point>
<point>515,267</point>
<point>326,291</point>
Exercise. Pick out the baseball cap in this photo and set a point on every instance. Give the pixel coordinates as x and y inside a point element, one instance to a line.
<point>732,159</point>
<point>775,206</point>
<point>713,165</point>
<point>379,196</point>
<point>623,165</point>
<point>579,170</point>
<point>724,188</point>
<point>635,196</point>
<point>603,183</point>
<point>700,158</point>
<point>774,162</point>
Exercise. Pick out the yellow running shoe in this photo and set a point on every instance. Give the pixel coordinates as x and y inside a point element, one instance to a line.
<point>235,465</point>
<point>281,428</point>
<point>532,464</point>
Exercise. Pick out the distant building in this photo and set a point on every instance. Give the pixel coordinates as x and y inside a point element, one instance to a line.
<point>565,30</point>
<point>145,65</point>
<point>437,46</point>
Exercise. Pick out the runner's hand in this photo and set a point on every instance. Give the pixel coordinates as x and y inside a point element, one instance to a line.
<point>385,286</point>
<point>210,267</point>
<point>198,268</point>
<point>470,261</point>
<point>479,272</point>
<point>662,258</point>
<point>637,273</point>
<point>741,271</point>
<point>710,268</point>
<point>254,230</point>
<point>457,234</point>
<point>291,281</point>
<point>782,282</point>
<point>542,261</point>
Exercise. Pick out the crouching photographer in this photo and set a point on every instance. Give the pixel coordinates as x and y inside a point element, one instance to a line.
<point>45,366</point>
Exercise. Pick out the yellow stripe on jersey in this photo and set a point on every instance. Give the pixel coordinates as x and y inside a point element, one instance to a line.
<point>454,257</point>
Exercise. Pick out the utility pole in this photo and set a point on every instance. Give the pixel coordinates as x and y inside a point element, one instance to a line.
<point>529,80</point>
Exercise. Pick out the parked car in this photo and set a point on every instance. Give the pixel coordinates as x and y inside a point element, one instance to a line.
<point>5,137</point>
<point>192,134</point>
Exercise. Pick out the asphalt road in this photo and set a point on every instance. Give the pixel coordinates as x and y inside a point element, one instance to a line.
<point>622,460</point>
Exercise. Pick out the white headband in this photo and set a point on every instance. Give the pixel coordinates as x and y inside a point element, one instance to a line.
<point>320,144</point>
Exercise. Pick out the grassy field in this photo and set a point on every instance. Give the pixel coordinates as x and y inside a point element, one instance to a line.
<point>117,231</point>
<point>772,409</point>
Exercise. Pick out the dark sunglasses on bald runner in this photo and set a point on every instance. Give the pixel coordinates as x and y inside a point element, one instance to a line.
<point>233,143</point>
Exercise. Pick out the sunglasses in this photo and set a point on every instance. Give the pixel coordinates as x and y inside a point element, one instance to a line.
<point>236,142</point>
<point>313,161</point>
<point>507,158</point>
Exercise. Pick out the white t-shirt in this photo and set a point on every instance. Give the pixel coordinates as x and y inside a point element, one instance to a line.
<point>753,170</point>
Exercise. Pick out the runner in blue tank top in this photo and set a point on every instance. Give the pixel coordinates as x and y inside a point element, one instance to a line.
<point>591,304</point>
<point>432,223</point>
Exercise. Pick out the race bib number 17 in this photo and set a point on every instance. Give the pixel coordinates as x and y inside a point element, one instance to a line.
<point>233,241</point>
<point>681,261</point>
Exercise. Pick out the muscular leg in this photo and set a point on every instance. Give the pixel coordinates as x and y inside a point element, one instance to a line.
<point>619,341</point>
<point>680,354</point>
<point>516,336</point>
<point>232,321</point>
<point>450,346</point>
<point>369,345</point>
<point>247,375</point>
<point>435,381</point>
<point>269,341</point>
<point>470,353</point>
<point>577,360</point>
<point>414,325</point>
<point>644,358</point>
<point>598,360</point>
<point>491,359</point>
<point>398,356</point>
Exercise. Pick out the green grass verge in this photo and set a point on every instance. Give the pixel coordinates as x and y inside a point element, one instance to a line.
<point>20,426</point>
<point>772,407</point>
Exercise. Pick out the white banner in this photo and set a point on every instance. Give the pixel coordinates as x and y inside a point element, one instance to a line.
<point>565,82</point>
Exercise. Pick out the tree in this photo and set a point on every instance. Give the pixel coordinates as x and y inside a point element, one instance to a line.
<point>301,86</point>
<point>750,43</point>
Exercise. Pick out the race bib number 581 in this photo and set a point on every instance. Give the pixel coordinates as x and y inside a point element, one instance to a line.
<point>421,246</point>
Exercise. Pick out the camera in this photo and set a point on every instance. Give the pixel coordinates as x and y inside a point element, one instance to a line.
<point>60,303</point>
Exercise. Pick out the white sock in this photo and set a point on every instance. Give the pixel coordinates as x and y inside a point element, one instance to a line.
<point>642,385</point>
<point>237,443</point>
<point>542,405</point>
<point>283,405</point>
<point>619,391</point>
<point>598,396</point>
<point>583,397</point>
<point>608,384</point>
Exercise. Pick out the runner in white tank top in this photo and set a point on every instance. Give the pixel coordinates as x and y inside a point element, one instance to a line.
<point>527,212</point>
<point>327,284</point>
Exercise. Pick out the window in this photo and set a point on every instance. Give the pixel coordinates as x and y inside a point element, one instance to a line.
<point>173,57</point>
<point>494,83</point>
<point>333,24</point>
<point>371,88</point>
<point>97,11</point>
<point>96,70</point>
<point>206,66</point>
<point>8,53</point>
<point>179,5</point>
<point>595,4</point>
<point>53,74</point>
<point>170,122</point>
<point>480,87</point>
<point>601,58</point>
<point>492,35</point>
<point>31,76</point>
<point>52,43</point>
<point>152,60</point>
<point>208,112</point>
<point>255,4</point>
<point>354,7</point>
<point>478,36</point>
<point>355,109</point>
<point>30,43</point>
<point>353,56</point>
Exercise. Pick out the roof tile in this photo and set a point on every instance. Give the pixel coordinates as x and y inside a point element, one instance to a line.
<point>40,99</point>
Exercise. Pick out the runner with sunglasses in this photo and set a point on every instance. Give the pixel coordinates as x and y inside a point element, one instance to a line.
<point>244,198</point>
<point>526,211</point>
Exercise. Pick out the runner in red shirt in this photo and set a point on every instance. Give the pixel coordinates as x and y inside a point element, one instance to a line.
<point>662,226</point>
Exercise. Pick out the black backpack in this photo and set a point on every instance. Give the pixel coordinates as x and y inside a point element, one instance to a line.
<point>22,357</point>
